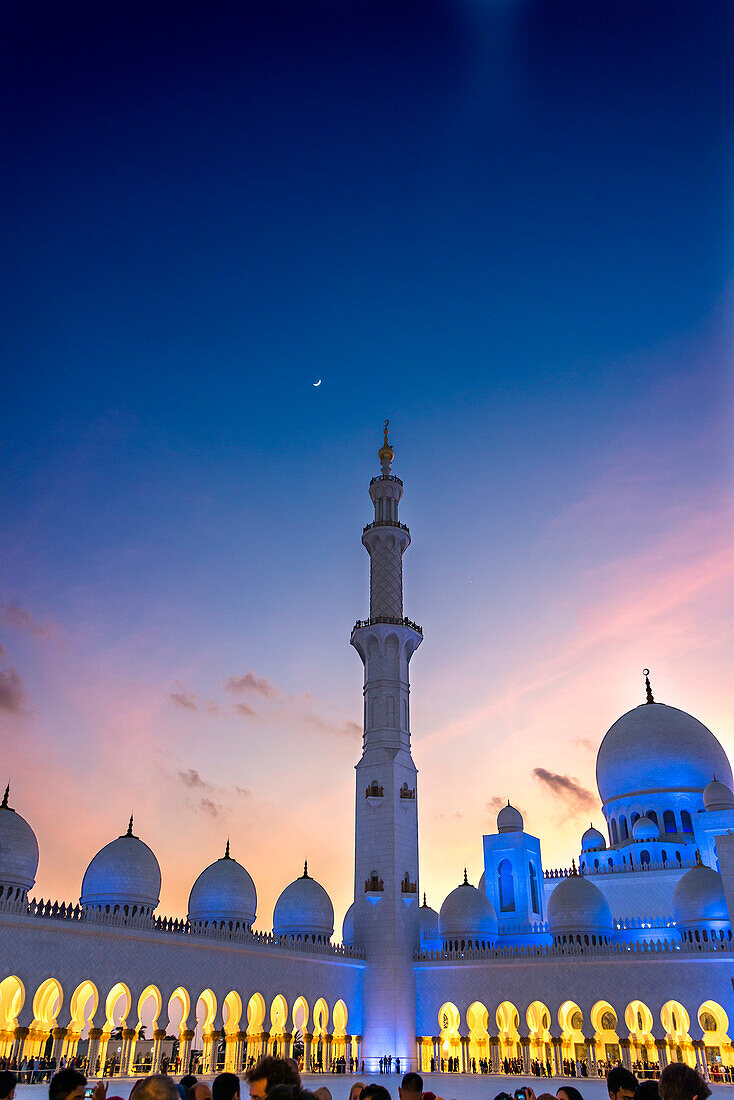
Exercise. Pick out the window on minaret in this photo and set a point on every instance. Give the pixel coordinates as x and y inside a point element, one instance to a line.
<point>506,887</point>
<point>615,834</point>
<point>652,815</point>
<point>533,887</point>
<point>623,827</point>
<point>669,821</point>
<point>685,820</point>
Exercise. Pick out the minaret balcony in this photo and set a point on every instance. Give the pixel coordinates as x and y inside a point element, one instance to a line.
<point>374,794</point>
<point>390,622</point>
<point>385,523</point>
<point>385,477</point>
<point>374,889</point>
<point>408,889</point>
<point>407,793</point>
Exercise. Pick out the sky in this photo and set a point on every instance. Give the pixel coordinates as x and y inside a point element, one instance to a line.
<point>504,224</point>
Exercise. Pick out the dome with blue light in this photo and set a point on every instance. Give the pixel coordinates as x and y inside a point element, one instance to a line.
<point>348,927</point>
<point>592,840</point>
<point>427,921</point>
<point>658,748</point>
<point>509,820</point>
<point>717,796</point>
<point>698,899</point>
<point>577,906</point>
<point>125,875</point>
<point>304,909</point>
<point>18,852</point>
<point>645,829</point>
<point>467,915</point>
<point>223,894</point>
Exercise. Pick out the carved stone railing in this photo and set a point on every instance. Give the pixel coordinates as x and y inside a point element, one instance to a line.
<point>65,911</point>
<point>609,950</point>
<point>385,523</point>
<point>624,868</point>
<point>385,477</point>
<point>390,622</point>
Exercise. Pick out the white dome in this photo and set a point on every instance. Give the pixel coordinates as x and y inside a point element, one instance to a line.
<point>578,906</point>
<point>18,850</point>
<point>481,885</point>
<point>223,893</point>
<point>304,909</point>
<point>348,927</point>
<point>427,921</point>
<point>658,748</point>
<point>717,796</point>
<point>592,840</point>
<point>124,873</point>
<point>645,829</point>
<point>699,898</point>
<point>509,820</point>
<point>466,914</point>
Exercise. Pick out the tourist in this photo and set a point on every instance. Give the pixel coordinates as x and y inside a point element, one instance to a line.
<point>355,1092</point>
<point>199,1091</point>
<point>647,1090</point>
<point>156,1087</point>
<point>621,1084</point>
<point>269,1072</point>
<point>8,1081</point>
<point>375,1092</point>
<point>411,1087</point>
<point>322,1093</point>
<point>568,1092</point>
<point>226,1087</point>
<point>680,1082</point>
<point>70,1084</point>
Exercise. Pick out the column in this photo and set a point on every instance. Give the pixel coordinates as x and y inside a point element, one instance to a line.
<point>19,1038</point>
<point>494,1047</point>
<point>661,1047</point>
<point>157,1051</point>
<point>328,1039</point>
<point>525,1044</point>
<point>464,1041</point>
<point>264,1040</point>
<point>58,1034</point>
<point>591,1048</point>
<point>701,1065</point>
<point>557,1057</point>
<point>104,1042</point>
<point>624,1045</point>
<point>184,1050</point>
<point>359,1051</point>
<point>307,1040</point>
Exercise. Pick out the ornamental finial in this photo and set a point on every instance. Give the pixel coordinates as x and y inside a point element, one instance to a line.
<point>305,869</point>
<point>573,867</point>
<point>425,903</point>
<point>386,454</point>
<point>648,689</point>
<point>5,798</point>
<point>466,880</point>
<point>130,827</point>
<point>699,861</point>
<point>226,850</point>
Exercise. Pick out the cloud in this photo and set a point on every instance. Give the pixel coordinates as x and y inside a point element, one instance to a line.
<point>251,683</point>
<point>3,651</point>
<point>213,809</point>
<point>334,729</point>
<point>185,699</point>
<point>497,803</point>
<point>568,788</point>
<point>246,709</point>
<point>12,614</point>
<point>12,693</point>
<point>191,778</point>
<point>243,792</point>
<point>584,743</point>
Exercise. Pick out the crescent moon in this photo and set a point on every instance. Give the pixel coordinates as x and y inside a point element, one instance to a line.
<point>317,383</point>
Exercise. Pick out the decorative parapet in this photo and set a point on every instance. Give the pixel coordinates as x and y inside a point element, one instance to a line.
<point>390,620</point>
<point>374,790</point>
<point>385,477</point>
<point>407,792</point>
<point>609,950</point>
<point>408,887</point>
<point>624,868</point>
<point>65,911</point>
<point>385,523</point>
<point>374,885</point>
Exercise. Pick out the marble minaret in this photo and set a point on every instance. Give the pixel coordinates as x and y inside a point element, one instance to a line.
<point>386,831</point>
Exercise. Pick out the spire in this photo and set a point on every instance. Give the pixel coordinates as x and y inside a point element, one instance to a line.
<point>573,867</point>
<point>226,850</point>
<point>386,454</point>
<point>699,861</point>
<point>425,903</point>
<point>5,798</point>
<point>305,869</point>
<point>648,689</point>
<point>130,827</point>
<point>466,880</point>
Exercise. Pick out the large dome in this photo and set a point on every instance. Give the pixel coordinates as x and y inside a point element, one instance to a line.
<point>223,893</point>
<point>658,748</point>
<point>124,873</point>
<point>699,898</point>
<point>304,909</point>
<point>467,914</point>
<point>578,906</point>
<point>18,850</point>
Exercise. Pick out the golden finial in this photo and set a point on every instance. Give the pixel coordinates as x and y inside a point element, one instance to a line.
<point>386,454</point>
<point>648,689</point>
<point>5,798</point>
<point>130,827</point>
<point>466,880</point>
<point>699,861</point>
<point>226,850</point>
<point>305,869</point>
<point>425,903</point>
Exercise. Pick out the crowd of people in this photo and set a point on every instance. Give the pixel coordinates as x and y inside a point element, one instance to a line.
<point>272,1078</point>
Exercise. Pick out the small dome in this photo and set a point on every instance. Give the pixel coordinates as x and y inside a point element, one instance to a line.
<point>304,909</point>
<point>18,850</point>
<point>645,829</point>
<point>348,927</point>
<point>509,820</point>
<point>592,840</point>
<point>699,898</point>
<point>658,748</point>
<point>124,873</point>
<point>717,796</point>
<point>466,914</point>
<point>427,921</point>
<point>578,906</point>
<point>481,885</point>
<point>223,893</point>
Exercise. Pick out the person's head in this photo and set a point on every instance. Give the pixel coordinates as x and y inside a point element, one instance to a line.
<point>8,1081</point>
<point>156,1087</point>
<point>269,1072</point>
<point>201,1091</point>
<point>679,1082</point>
<point>322,1092</point>
<point>226,1086</point>
<point>67,1084</point>
<point>375,1092</point>
<point>568,1092</point>
<point>411,1087</point>
<point>355,1091</point>
<point>647,1090</point>
<point>290,1092</point>
<point>187,1081</point>
<point>621,1084</point>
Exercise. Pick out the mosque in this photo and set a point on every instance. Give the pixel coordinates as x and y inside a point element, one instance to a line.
<point>626,955</point>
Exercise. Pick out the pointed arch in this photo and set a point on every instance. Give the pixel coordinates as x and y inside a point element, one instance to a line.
<point>255,1014</point>
<point>639,1021</point>
<point>477,1019</point>
<point>571,1022</point>
<point>538,1020</point>
<point>12,999</point>
<point>231,1012</point>
<point>151,992</point>
<point>83,1007</point>
<point>676,1021</point>
<point>320,1017</point>
<point>508,1022</point>
<point>300,1015</point>
<point>180,998</point>
<point>449,1019</point>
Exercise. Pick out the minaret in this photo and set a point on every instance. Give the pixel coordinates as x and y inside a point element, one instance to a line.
<point>386,830</point>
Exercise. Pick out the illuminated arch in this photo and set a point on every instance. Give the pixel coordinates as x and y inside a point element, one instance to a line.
<point>639,1021</point>
<point>255,1014</point>
<point>300,1014</point>
<point>508,1022</point>
<point>154,993</point>
<point>716,1039</point>
<point>571,1021</point>
<point>208,1001</point>
<point>278,1021</point>
<point>605,1022</point>
<point>477,1019</point>
<point>47,1004</point>
<point>117,992</point>
<point>182,998</point>
<point>676,1021</point>
<point>538,1019</point>
<point>231,1012</point>
<point>449,1019</point>
<point>12,999</point>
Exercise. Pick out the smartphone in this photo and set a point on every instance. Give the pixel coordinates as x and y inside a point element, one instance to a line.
<point>89,1092</point>
<point>520,1094</point>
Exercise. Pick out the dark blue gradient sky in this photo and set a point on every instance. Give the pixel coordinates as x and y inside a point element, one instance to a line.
<point>505,225</point>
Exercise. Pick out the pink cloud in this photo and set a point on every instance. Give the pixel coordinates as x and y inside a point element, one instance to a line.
<point>251,683</point>
<point>13,615</point>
